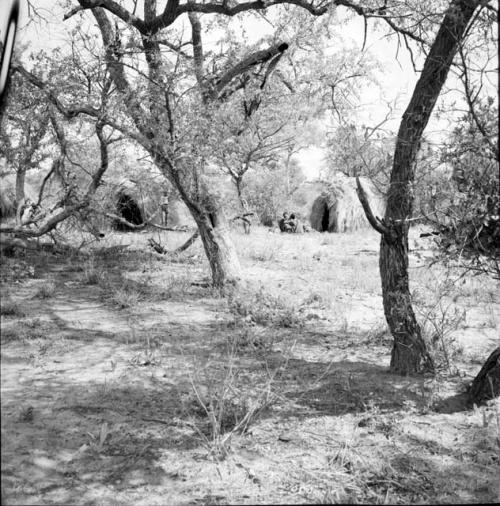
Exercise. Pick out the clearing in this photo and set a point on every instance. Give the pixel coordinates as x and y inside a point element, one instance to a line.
<point>126,379</point>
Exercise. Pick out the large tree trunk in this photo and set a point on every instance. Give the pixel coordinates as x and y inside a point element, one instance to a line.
<point>409,354</point>
<point>486,384</point>
<point>219,248</point>
<point>212,225</point>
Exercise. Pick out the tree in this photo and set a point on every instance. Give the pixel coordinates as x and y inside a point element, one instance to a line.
<point>176,133</point>
<point>409,353</point>
<point>270,189</point>
<point>32,132</point>
<point>24,137</point>
<point>467,225</point>
<point>360,153</point>
<point>486,384</point>
<point>169,111</point>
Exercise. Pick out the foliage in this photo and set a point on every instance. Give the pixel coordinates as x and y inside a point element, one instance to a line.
<point>25,133</point>
<point>270,193</point>
<point>469,221</point>
<point>360,151</point>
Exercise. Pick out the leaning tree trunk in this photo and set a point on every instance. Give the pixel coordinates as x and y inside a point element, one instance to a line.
<point>244,207</point>
<point>486,384</point>
<point>219,248</point>
<point>409,354</point>
<point>212,225</point>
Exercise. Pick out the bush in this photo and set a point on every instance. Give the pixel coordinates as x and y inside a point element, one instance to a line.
<point>468,225</point>
<point>264,309</point>
<point>46,291</point>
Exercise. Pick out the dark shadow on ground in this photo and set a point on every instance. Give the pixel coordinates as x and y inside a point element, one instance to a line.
<point>80,435</point>
<point>350,387</point>
<point>453,404</point>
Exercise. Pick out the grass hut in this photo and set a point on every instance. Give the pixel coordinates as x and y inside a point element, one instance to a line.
<point>134,202</point>
<point>337,208</point>
<point>179,215</point>
<point>139,202</point>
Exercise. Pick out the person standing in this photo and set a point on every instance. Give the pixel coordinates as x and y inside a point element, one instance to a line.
<point>164,207</point>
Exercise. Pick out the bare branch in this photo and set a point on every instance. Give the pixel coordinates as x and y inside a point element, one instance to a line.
<point>75,110</point>
<point>249,62</point>
<point>173,10</point>
<point>112,7</point>
<point>374,221</point>
<point>470,102</point>
<point>198,53</point>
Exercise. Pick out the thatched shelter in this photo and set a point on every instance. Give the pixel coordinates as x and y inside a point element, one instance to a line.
<point>179,215</point>
<point>139,202</point>
<point>337,208</point>
<point>334,206</point>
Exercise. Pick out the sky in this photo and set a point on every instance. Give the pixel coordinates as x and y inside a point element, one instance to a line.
<point>396,77</point>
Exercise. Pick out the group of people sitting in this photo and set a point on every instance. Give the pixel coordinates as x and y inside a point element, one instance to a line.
<point>290,223</point>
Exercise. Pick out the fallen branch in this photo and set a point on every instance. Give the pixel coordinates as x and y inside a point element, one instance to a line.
<point>144,224</point>
<point>157,246</point>
<point>163,251</point>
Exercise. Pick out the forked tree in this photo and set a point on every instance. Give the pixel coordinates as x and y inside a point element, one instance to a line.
<point>155,117</point>
<point>409,353</point>
<point>179,148</point>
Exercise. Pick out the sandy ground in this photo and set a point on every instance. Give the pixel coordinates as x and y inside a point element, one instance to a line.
<point>109,364</point>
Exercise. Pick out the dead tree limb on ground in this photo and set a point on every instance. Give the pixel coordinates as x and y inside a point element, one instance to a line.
<point>145,224</point>
<point>183,247</point>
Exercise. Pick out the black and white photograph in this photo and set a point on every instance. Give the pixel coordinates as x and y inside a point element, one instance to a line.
<point>249,252</point>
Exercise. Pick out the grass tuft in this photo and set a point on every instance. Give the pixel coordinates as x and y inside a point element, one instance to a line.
<point>262,308</point>
<point>46,291</point>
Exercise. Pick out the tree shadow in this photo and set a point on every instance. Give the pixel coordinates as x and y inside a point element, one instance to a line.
<point>350,387</point>
<point>453,404</point>
<point>82,435</point>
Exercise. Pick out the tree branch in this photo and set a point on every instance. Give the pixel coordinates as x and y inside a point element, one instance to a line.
<point>114,8</point>
<point>70,112</point>
<point>470,102</point>
<point>198,53</point>
<point>173,10</point>
<point>374,221</point>
<point>250,61</point>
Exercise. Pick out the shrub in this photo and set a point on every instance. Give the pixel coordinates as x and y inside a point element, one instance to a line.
<point>124,297</point>
<point>262,308</point>
<point>46,291</point>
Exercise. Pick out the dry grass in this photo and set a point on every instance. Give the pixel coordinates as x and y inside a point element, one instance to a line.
<point>261,308</point>
<point>46,290</point>
<point>10,307</point>
<point>143,386</point>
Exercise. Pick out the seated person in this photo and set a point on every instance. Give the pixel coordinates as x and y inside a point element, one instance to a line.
<point>284,223</point>
<point>293,222</point>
